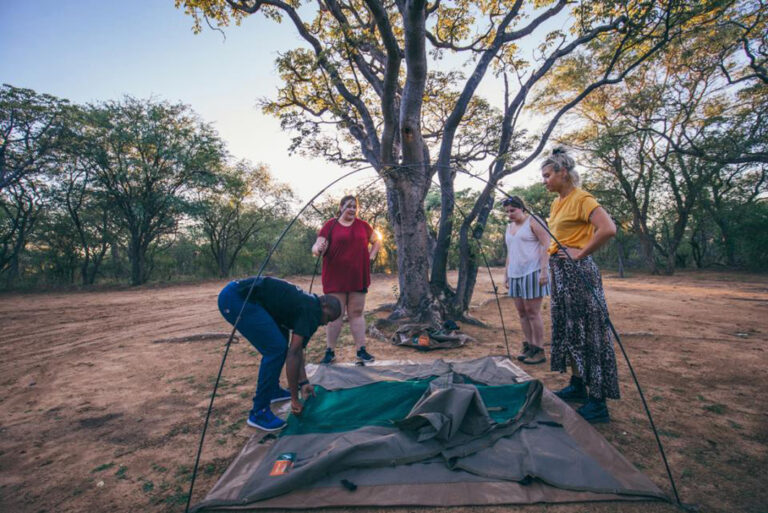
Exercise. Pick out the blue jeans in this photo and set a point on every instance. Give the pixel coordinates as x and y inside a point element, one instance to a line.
<point>262,332</point>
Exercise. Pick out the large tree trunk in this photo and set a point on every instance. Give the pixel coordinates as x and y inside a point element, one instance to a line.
<point>407,185</point>
<point>407,216</point>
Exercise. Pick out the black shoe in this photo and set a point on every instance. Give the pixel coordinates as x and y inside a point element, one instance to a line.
<point>595,411</point>
<point>329,357</point>
<point>363,356</point>
<point>575,391</point>
<point>523,351</point>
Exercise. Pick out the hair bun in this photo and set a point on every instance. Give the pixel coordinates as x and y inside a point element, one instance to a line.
<point>558,150</point>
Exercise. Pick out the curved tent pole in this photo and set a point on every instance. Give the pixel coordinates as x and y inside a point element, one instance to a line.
<point>541,223</point>
<point>237,320</point>
<point>607,320</point>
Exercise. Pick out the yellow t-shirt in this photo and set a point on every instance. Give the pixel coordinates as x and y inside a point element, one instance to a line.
<point>569,219</point>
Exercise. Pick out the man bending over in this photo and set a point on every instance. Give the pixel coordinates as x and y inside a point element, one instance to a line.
<point>273,309</point>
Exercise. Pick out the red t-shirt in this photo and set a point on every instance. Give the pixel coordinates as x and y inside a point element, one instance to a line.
<point>347,262</point>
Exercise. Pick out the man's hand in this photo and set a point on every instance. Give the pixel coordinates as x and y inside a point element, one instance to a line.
<point>543,278</point>
<point>307,391</point>
<point>506,281</point>
<point>296,407</point>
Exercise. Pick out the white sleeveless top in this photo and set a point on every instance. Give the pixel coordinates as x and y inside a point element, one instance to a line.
<point>524,250</point>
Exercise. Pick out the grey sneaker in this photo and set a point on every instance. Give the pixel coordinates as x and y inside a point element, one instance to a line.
<point>329,357</point>
<point>364,356</point>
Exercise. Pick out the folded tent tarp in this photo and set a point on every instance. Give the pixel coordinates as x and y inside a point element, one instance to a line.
<point>438,433</point>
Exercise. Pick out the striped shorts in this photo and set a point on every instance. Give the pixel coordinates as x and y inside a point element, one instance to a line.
<point>527,287</point>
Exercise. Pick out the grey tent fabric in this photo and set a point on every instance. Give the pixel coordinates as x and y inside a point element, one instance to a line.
<point>448,410</point>
<point>446,451</point>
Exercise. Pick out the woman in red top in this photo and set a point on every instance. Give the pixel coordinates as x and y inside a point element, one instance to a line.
<point>348,245</point>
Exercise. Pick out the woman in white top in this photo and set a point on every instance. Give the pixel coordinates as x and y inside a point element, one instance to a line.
<point>527,275</point>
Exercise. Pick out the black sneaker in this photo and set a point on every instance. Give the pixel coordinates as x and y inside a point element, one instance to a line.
<point>595,411</point>
<point>523,351</point>
<point>364,356</point>
<point>329,357</point>
<point>575,391</point>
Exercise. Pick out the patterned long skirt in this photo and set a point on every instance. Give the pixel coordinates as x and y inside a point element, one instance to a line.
<point>579,331</point>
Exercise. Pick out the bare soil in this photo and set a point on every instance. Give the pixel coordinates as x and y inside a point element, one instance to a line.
<point>104,393</point>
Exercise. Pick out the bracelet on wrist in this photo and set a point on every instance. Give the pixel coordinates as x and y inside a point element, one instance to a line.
<point>302,383</point>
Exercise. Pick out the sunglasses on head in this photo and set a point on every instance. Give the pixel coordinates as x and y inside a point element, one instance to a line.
<point>511,202</point>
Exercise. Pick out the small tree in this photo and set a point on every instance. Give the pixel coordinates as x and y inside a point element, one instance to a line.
<point>246,201</point>
<point>148,157</point>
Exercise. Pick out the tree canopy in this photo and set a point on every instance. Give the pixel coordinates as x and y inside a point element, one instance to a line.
<point>367,86</point>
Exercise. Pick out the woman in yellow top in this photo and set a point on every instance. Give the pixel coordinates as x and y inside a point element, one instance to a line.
<point>580,335</point>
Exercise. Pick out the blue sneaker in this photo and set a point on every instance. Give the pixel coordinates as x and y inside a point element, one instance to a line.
<point>575,391</point>
<point>595,411</point>
<point>282,395</point>
<point>266,420</point>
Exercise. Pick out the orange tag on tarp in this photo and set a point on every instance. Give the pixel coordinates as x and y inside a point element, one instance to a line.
<point>424,340</point>
<point>283,464</point>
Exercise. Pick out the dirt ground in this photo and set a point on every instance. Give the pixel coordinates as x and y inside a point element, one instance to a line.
<point>100,411</point>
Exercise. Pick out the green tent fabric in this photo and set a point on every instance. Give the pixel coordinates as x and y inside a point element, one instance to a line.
<point>377,404</point>
<point>382,403</point>
<point>436,433</point>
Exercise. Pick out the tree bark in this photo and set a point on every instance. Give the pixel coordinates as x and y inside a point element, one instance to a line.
<point>407,216</point>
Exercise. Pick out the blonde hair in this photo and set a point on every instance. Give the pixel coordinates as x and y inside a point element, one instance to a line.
<point>560,160</point>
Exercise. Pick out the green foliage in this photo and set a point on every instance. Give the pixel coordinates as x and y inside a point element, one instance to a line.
<point>148,157</point>
<point>103,467</point>
<point>492,241</point>
<point>677,150</point>
<point>719,409</point>
<point>134,189</point>
<point>31,127</point>
<point>751,237</point>
<point>245,205</point>
<point>294,255</point>
<point>537,198</point>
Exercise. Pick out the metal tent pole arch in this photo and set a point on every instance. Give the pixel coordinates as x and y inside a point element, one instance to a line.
<point>274,247</point>
<point>237,320</point>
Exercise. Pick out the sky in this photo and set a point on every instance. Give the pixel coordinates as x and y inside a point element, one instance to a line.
<point>97,50</point>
